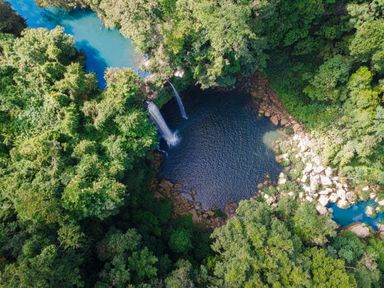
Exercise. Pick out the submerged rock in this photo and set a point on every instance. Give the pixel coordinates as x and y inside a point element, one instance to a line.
<point>369,211</point>
<point>342,203</point>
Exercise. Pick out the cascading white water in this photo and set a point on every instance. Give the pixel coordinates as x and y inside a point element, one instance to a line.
<point>171,138</point>
<point>179,101</point>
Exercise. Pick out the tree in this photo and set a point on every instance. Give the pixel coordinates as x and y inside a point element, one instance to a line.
<point>327,271</point>
<point>329,83</point>
<point>181,276</point>
<point>258,248</point>
<point>180,241</point>
<point>368,40</point>
<point>48,267</point>
<point>311,227</point>
<point>125,260</point>
<point>348,247</point>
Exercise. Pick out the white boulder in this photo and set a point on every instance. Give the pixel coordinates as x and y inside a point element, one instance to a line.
<point>328,172</point>
<point>341,193</point>
<point>323,200</point>
<point>325,181</point>
<point>360,229</point>
<point>308,168</point>
<point>342,203</point>
<point>323,192</point>
<point>372,195</point>
<point>309,198</point>
<point>369,211</point>
<point>321,210</point>
<point>333,198</point>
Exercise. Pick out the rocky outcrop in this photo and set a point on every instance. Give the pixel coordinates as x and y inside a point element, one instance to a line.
<point>360,229</point>
<point>269,104</point>
<point>319,182</point>
<point>184,202</point>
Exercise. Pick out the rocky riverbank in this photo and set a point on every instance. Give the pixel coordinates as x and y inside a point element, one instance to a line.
<point>304,177</point>
<point>297,152</point>
<point>305,174</point>
<point>269,104</point>
<point>184,202</point>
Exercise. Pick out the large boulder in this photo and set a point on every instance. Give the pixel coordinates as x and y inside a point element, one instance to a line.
<point>380,202</point>
<point>323,200</point>
<point>321,209</point>
<point>341,193</point>
<point>333,198</point>
<point>275,120</point>
<point>282,179</point>
<point>369,211</point>
<point>342,203</point>
<point>325,181</point>
<point>328,172</point>
<point>314,182</point>
<point>361,230</point>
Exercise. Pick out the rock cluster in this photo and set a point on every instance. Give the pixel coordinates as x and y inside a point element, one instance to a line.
<point>184,203</point>
<point>269,104</point>
<point>318,182</point>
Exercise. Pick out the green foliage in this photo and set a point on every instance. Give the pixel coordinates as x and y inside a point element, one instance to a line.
<point>72,169</point>
<point>181,276</point>
<point>125,261</point>
<point>311,227</point>
<point>261,248</point>
<point>71,155</point>
<point>180,241</point>
<point>329,82</point>
<point>348,247</point>
<point>44,268</point>
<point>327,271</point>
<point>368,40</point>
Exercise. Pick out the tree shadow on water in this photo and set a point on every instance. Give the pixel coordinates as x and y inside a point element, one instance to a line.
<point>94,61</point>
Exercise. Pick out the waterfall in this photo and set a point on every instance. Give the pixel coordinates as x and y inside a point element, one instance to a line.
<point>179,101</point>
<point>165,132</point>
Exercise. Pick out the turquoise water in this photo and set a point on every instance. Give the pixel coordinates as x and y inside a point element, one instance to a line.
<point>103,47</point>
<point>356,213</point>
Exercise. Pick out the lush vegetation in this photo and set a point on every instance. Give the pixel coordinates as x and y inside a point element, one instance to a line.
<point>291,246</point>
<point>76,206</point>
<point>324,57</point>
<point>75,203</point>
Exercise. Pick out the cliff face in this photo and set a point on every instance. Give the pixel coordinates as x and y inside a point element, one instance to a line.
<point>10,22</point>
